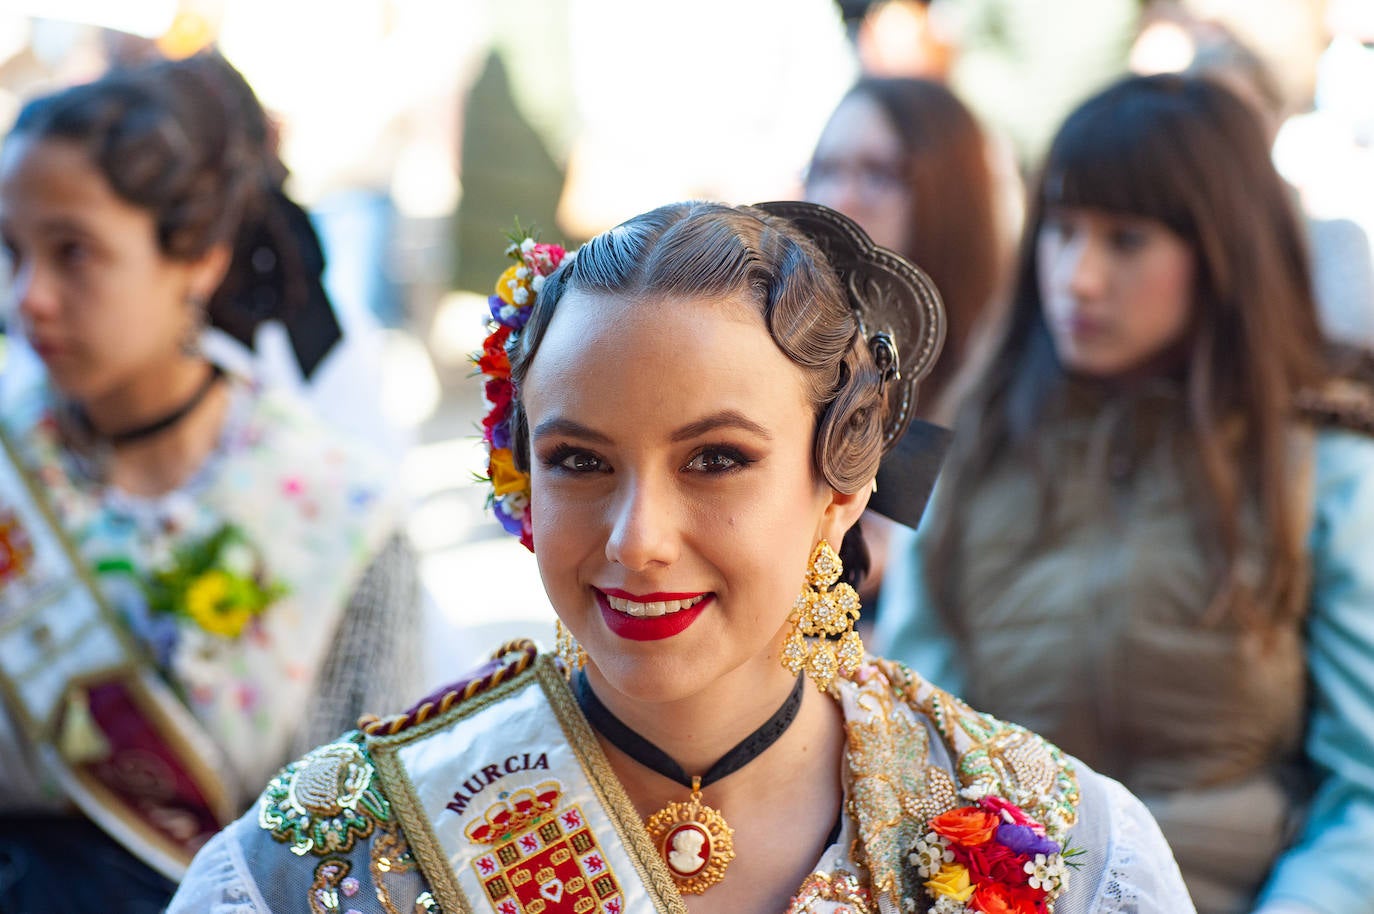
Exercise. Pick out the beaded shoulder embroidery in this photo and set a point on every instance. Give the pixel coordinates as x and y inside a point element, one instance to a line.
<point>325,802</point>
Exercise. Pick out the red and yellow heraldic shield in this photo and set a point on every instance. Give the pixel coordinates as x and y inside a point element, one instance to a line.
<point>546,863</point>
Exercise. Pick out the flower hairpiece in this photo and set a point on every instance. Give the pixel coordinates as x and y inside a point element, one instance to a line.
<point>516,291</point>
<point>991,857</point>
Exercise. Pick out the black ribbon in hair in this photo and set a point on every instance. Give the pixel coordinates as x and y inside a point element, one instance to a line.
<point>903,321</point>
<point>277,274</point>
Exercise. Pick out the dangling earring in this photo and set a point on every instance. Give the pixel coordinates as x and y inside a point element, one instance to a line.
<point>568,650</point>
<point>823,609</point>
<point>190,343</point>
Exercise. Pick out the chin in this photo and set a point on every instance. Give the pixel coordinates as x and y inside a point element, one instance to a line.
<point>654,680</point>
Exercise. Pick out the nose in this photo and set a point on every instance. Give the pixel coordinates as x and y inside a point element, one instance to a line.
<point>31,295</point>
<point>1085,269</point>
<point>643,529</point>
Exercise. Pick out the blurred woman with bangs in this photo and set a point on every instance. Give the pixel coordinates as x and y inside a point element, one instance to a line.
<point>1154,538</point>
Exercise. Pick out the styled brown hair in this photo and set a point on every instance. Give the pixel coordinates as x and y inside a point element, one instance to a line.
<point>189,142</point>
<point>1187,153</point>
<point>954,233</point>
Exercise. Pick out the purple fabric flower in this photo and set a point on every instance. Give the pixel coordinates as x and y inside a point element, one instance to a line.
<point>500,435</point>
<point>507,315</point>
<point>1022,839</point>
<point>509,522</point>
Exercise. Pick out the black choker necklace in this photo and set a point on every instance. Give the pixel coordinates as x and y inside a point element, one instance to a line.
<point>694,839</point>
<point>162,423</point>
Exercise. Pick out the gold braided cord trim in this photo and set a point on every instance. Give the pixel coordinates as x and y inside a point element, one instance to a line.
<point>390,726</point>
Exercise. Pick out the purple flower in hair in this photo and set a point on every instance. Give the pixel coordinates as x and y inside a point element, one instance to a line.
<point>509,522</point>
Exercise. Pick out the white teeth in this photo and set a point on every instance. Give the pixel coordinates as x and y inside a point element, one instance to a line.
<point>645,610</point>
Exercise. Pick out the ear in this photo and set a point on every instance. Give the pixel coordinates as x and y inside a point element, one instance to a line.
<point>841,512</point>
<point>209,270</point>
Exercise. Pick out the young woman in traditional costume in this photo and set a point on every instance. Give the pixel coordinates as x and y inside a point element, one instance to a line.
<point>702,397</point>
<point>1154,542</point>
<point>198,582</point>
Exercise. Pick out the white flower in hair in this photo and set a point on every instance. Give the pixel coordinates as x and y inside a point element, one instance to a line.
<point>537,283</point>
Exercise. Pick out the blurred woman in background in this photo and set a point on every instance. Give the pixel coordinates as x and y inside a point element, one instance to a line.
<point>908,161</point>
<point>1153,538</point>
<point>246,581</point>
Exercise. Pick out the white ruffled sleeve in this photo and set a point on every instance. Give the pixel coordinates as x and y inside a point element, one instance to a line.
<point>219,881</point>
<point>1127,866</point>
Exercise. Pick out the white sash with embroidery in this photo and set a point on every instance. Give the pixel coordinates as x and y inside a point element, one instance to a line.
<point>511,807</point>
<point>117,740</point>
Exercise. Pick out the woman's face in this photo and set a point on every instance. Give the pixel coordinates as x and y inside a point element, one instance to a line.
<point>673,497</point>
<point>96,297</point>
<point>1117,291</point>
<point>859,169</point>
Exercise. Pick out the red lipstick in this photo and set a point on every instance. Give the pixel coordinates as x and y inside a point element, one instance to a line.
<point>652,628</point>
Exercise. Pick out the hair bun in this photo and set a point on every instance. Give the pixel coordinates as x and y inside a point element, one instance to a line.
<point>898,307</point>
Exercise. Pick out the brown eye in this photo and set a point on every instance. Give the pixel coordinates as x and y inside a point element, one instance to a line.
<point>716,460</point>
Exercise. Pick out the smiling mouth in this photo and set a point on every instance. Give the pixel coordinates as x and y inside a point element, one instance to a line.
<point>650,616</point>
<point>645,610</point>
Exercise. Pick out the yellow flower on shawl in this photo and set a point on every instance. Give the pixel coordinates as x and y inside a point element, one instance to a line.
<point>952,881</point>
<point>217,603</point>
<point>505,478</point>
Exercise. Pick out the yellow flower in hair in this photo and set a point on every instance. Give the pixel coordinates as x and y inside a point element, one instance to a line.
<point>508,284</point>
<point>952,881</point>
<point>505,477</point>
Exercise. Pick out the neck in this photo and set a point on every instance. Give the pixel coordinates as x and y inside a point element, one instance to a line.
<point>156,463</point>
<point>146,399</point>
<point>698,729</point>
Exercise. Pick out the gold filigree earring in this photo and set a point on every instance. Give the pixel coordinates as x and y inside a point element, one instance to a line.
<point>568,650</point>
<point>823,610</point>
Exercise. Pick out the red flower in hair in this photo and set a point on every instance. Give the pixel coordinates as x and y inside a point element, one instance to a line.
<point>494,362</point>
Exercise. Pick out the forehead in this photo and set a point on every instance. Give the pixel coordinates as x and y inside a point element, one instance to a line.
<point>645,362</point>
<point>859,127</point>
<point>42,178</point>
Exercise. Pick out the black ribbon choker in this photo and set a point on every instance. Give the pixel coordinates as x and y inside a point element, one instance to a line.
<point>655,759</point>
<point>162,423</point>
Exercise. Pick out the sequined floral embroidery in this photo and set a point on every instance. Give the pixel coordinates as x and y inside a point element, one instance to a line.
<point>843,889</point>
<point>328,885</point>
<point>887,755</point>
<point>325,802</point>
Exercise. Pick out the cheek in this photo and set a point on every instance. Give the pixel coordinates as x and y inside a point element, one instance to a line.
<point>1170,302</point>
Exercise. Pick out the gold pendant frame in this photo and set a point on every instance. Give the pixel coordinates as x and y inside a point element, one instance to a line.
<point>683,830</point>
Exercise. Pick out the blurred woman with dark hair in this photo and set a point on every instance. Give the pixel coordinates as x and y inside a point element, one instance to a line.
<point>1154,538</point>
<point>200,579</point>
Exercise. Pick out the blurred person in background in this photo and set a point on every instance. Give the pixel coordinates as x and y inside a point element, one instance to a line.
<point>1152,541</point>
<point>246,584</point>
<point>910,163</point>
<point>1173,39</point>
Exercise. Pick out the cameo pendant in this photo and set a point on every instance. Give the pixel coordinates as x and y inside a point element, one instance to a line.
<point>694,841</point>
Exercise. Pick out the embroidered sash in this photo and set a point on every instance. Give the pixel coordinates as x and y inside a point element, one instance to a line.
<point>105,725</point>
<point>511,807</point>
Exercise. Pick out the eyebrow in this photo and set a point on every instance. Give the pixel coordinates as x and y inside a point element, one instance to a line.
<point>560,426</point>
<point>728,418</point>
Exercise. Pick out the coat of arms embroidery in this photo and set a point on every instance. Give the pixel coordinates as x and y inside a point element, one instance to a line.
<point>544,857</point>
